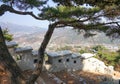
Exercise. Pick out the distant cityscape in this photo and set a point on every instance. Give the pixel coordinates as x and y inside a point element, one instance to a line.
<point>33,36</point>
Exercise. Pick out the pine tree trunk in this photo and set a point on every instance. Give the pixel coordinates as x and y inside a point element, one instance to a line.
<point>8,62</point>
<point>41,51</point>
<point>45,43</point>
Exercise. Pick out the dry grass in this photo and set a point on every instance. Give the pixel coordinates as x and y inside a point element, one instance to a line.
<point>79,77</point>
<point>4,76</point>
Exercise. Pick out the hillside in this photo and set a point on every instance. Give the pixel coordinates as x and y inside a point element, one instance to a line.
<point>25,36</point>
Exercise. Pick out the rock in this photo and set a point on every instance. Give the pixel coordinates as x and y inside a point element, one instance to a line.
<point>81,79</point>
<point>58,80</point>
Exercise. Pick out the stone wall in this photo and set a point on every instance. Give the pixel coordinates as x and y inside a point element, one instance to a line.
<point>24,56</point>
<point>57,61</point>
<point>64,60</point>
<point>67,60</point>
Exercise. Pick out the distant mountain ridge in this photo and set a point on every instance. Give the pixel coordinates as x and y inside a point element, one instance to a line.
<point>21,29</point>
<point>33,36</point>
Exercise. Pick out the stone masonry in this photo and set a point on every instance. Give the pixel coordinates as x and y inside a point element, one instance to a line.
<point>26,58</point>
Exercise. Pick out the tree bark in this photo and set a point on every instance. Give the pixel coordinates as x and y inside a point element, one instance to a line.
<point>8,62</point>
<point>41,51</point>
<point>45,43</point>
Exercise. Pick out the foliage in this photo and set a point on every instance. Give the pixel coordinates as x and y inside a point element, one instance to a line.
<point>99,48</point>
<point>101,3</point>
<point>109,57</point>
<point>62,12</point>
<point>88,18</point>
<point>103,54</point>
<point>82,51</point>
<point>85,50</point>
<point>7,35</point>
<point>24,4</point>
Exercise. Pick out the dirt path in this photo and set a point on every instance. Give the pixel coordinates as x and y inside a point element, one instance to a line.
<point>47,78</point>
<point>77,77</point>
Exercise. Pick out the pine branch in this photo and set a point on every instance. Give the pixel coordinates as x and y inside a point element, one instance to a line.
<point>4,8</point>
<point>80,25</point>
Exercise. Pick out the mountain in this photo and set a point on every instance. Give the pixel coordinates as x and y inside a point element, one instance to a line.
<point>33,36</point>
<point>19,30</point>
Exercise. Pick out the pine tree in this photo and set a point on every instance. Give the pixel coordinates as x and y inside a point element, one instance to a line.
<point>84,15</point>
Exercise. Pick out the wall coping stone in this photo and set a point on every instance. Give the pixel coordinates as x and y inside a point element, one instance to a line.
<point>23,49</point>
<point>11,44</point>
<point>75,55</point>
<point>35,53</point>
<point>59,53</point>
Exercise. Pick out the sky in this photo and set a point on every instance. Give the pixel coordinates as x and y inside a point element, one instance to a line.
<point>24,19</point>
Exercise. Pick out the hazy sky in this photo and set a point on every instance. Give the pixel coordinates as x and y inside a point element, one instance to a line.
<point>24,19</point>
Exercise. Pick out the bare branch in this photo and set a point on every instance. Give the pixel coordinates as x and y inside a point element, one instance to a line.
<point>4,8</point>
<point>118,25</point>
